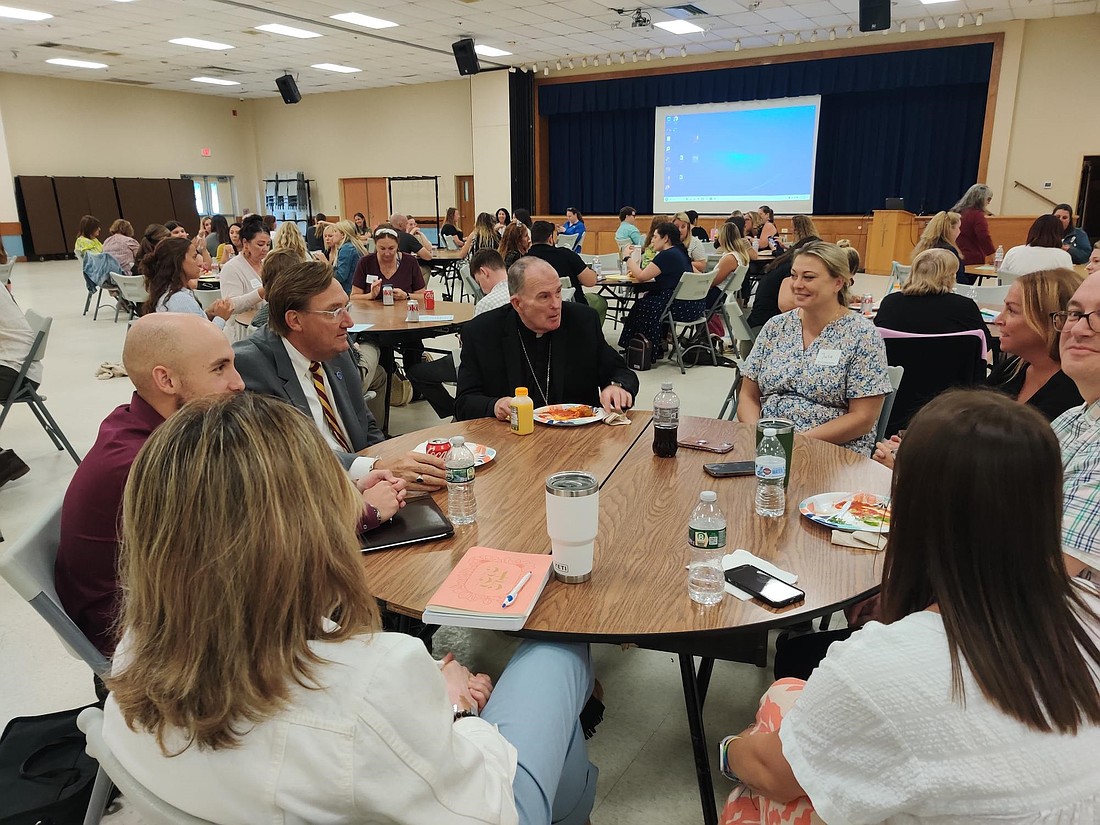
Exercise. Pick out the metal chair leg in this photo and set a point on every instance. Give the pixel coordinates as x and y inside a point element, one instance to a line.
<point>87,303</point>
<point>98,301</point>
<point>101,794</point>
<point>52,429</point>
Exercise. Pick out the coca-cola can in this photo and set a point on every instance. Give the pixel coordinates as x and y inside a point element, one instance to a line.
<point>867,304</point>
<point>429,300</point>
<point>438,446</point>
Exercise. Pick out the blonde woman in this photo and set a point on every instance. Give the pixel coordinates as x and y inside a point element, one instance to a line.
<point>736,251</point>
<point>773,293</point>
<point>484,236</point>
<point>343,250</point>
<point>245,682</point>
<point>288,236</point>
<point>942,232</point>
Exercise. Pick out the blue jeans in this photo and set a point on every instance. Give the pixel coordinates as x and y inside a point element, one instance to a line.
<point>535,705</point>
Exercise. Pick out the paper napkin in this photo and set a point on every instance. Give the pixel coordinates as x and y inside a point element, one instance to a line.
<point>861,539</point>
<point>739,557</point>
<point>616,418</point>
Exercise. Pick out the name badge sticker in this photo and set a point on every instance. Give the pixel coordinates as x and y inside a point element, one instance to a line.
<point>255,283</point>
<point>828,358</point>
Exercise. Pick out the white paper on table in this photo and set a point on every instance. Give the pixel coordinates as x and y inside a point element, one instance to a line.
<point>436,317</point>
<point>739,557</point>
<point>359,327</point>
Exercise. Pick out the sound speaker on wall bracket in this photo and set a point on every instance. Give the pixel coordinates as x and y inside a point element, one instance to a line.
<point>288,88</point>
<point>874,15</point>
<point>465,56</point>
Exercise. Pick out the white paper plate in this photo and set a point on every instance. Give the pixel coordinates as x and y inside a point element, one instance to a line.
<point>482,454</point>
<point>827,509</point>
<point>542,415</point>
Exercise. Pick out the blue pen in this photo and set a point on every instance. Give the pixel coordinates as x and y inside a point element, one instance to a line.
<point>511,597</point>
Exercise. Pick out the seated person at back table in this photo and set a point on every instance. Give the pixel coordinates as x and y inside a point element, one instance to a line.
<point>820,365</point>
<point>556,350</point>
<point>566,262</point>
<point>305,344</point>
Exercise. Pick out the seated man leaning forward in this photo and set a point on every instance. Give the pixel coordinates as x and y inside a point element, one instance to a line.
<point>302,356</point>
<point>556,350</point>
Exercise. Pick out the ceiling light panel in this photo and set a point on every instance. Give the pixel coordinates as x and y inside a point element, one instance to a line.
<point>76,64</point>
<point>287,31</point>
<point>215,81</point>
<point>364,20</point>
<point>335,67</point>
<point>678,26</point>
<point>490,51</point>
<point>195,43</point>
<point>23,14</point>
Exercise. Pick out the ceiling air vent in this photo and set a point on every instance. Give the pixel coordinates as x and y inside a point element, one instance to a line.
<point>129,82</point>
<point>70,48</point>
<point>685,12</point>
<point>219,70</point>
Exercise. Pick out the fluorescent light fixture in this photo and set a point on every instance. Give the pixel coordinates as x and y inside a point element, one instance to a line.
<point>933,2</point>
<point>23,14</point>
<point>335,67</point>
<point>490,51</point>
<point>194,42</point>
<point>76,64</point>
<point>287,31</point>
<point>216,81</point>
<point>678,26</point>
<point>364,20</point>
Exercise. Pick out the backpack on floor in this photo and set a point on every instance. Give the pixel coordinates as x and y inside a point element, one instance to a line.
<point>639,353</point>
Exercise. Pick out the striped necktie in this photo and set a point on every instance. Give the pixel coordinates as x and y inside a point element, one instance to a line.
<point>326,406</point>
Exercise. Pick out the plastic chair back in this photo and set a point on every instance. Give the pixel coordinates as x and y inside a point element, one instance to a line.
<point>5,272</point>
<point>207,296</point>
<point>609,262</point>
<point>449,242</point>
<point>469,282</point>
<point>693,286</point>
<point>567,241</point>
<point>895,374</point>
<point>983,294</point>
<point>132,288</point>
<point>39,323</point>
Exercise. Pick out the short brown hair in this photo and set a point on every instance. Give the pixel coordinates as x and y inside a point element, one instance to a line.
<point>122,227</point>
<point>291,288</point>
<point>1046,232</point>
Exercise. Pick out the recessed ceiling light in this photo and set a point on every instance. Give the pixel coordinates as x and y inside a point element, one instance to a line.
<point>76,64</point>
<point>364,20</point>
<point>23,14</point>
<point>678,26</point>
<point>490,51</point>
<point>201,44</point>
<point>288,31</point>
<point>335,67</point>
<point>216,81</point>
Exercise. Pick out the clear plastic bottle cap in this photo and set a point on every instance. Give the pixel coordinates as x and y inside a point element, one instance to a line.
<point>708,495</point>
<point>458,441</point>
<point>666,386</point>
<point>769,432</point>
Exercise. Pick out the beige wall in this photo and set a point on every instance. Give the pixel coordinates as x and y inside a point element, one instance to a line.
<point>491,143</point>
<point>402,130</point>
<point>60,127</point>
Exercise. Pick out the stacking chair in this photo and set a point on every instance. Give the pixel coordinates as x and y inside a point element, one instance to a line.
<point>589,260</point>
<point>739,332</point>
<point>206,297</point>
<point>609,263</point>
<point>469,283</point>
<point>567,241</point>
<point>151,808</point>
<point>895,374</point>
<point>5,272</point>
<point>899,272</point>
<point>132,289</point>
<point>693,286</point>
<point>449,243</point>
<point>23,392</point>
<point>567,289</point>
<point>983,294</point>
<point>730,287</point>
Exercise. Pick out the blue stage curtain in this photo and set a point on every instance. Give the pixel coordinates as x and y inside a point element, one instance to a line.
<point>905,124</point>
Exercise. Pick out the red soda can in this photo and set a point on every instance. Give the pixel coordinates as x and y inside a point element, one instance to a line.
<point>429,300</point>
<point>438,446</point>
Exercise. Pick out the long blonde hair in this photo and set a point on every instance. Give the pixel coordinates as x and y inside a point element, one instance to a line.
<point>288,236</point>
<point>347,235</point>
<point>804,227</point>
<point>229,571</point>
<point>730,240</point>
<point>933,273</point>
<point>936,233</point>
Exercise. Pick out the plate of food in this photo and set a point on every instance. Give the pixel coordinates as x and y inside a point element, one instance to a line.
<point>569,415</point>
<point>482,454</point>
<point>849,511</point>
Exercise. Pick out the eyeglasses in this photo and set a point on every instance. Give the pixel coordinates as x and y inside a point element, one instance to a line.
<point>333,314</point>
<point>1069,318</point>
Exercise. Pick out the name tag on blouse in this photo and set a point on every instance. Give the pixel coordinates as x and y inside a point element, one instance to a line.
<point>255,283</point>
<point>828,358</point>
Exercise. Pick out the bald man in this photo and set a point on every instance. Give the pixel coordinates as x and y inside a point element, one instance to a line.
<point>171,359</point>
<point>407,243</point>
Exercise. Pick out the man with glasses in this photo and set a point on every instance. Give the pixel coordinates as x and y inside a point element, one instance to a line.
<point>628,233</point>
<point>303,356</point>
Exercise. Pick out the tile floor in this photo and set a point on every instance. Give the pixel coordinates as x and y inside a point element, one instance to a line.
<point>642,748</point>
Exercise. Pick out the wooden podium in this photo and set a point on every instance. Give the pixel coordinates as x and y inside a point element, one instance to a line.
<point>894,233</point>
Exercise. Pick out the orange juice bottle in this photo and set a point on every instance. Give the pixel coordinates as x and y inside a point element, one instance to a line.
<point>522,413</point>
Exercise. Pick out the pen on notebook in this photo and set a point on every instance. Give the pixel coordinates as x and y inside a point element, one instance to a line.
<point>511,597</point>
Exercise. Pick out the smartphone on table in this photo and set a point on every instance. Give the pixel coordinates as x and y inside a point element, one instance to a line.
<point>729,469</point>
<point>764,586</point>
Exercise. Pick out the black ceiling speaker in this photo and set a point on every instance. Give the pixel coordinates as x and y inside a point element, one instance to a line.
<point>874,15</point>
<point>288,88</point>
<point>465,56</point>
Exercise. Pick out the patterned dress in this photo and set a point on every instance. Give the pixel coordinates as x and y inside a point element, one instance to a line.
<point>812,386</point>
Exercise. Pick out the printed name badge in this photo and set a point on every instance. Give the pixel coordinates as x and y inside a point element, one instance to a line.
<point>828,358</point>
<point>255,283</point>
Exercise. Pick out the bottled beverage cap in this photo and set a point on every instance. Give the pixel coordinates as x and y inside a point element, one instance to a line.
<point>666,386</point>
<point>458,441</point>
<point>768,432</point>
<point>521,390</point>
<point>708,495</point>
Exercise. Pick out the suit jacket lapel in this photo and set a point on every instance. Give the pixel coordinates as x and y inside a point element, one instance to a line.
<point>285,370</point>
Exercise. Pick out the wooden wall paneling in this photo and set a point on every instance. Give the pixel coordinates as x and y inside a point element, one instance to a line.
<point>144,201</point>
<point>182,192</point>
<point>37,202</point>
<point>103,201</point>
<point>72,204</point>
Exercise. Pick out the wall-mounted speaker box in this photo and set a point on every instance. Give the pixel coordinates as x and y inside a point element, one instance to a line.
<point>465,56</point>
<point>874,15</point>
<point>288,88</point>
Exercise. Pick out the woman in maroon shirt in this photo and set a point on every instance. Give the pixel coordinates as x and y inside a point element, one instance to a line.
<point>389,267</point>
<point>974,242</point>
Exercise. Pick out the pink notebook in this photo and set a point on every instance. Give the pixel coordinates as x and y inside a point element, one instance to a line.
<point>473,594</point>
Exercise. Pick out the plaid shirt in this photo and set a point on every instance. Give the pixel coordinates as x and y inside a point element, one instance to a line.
<point>1078,432</point>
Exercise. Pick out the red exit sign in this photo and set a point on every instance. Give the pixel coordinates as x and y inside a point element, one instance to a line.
<point>206,152</point>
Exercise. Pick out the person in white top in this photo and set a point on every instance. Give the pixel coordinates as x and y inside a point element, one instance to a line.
<point>240,277</point>
<point>695,249</point>
<point>169,271</point>
<point>243,702</point>
<point>16,340</point>
<point>976,699</point>
<point>1043,249</point>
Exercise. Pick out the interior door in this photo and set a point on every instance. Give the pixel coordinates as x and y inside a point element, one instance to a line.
<point>464,200</point>
<point>354,197</point>
<point>378,201</point>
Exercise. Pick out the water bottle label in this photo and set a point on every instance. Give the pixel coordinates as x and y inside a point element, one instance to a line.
<point>770,467</point>
<point>707,538</point>
<point>460,475</point>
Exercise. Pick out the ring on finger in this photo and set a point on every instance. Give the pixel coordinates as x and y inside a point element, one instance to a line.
<point>420,479</point>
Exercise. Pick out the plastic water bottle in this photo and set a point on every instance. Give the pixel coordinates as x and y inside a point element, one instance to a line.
<point>707,541</point>
<point>597,267</point>
<point>666,421</point>
<point>461,506</point>
<point>771,468</point>
<point>998,258</point>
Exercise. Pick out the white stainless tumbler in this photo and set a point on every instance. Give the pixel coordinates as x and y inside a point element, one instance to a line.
<point>572,519</point>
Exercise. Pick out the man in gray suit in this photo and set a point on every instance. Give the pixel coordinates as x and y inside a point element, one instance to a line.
<point>303,357</point>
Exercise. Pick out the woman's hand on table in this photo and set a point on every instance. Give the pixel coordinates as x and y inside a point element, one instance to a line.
<point>615,398</point>
<point>221,308</point>
<point>885,451</point>
<point>384,491</point>
<point>419,471</point>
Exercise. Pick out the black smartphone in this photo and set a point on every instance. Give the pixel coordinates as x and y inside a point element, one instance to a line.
<point>764,586</point>
<point>730,468</point>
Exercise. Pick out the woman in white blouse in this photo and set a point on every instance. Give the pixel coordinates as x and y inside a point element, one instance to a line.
<point>253,682</point>
<point>240,277</point>
<point>1043,249</point>
<point>976,699</point>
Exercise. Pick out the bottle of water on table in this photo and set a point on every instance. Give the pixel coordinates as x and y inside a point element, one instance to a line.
<point>998,258</point>
<point>461,506</point>
<point>707,545</point>
<point>771,469</point>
